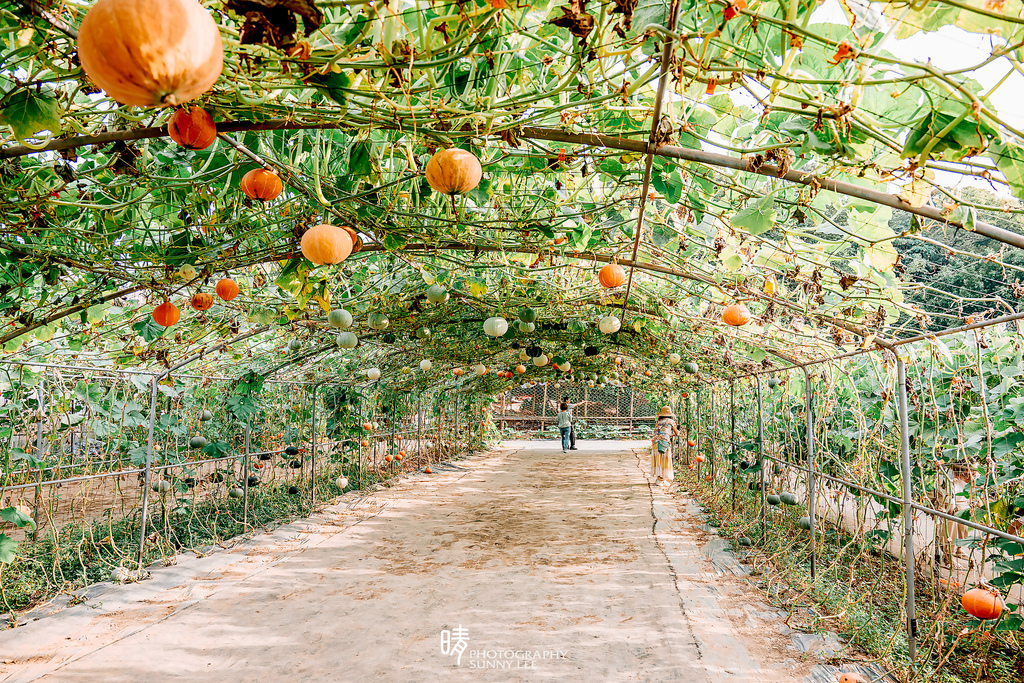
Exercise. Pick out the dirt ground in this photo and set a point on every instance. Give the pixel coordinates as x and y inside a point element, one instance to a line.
<point>555,567</point>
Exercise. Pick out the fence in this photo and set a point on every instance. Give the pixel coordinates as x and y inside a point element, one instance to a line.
<point>101,456</point>
<point>919,454</point>
<point>534,407</point>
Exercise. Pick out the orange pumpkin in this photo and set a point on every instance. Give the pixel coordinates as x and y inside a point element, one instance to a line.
<point>201,301</point>
<point>691,443</point>
<point>192,128</point>
<point>852,678</point>
<point>736,315</point>
<point>364,443</point>
<point>388,458</point>
<point>357,243</point>
<point>227,289</point>
<point>166,314</point>
<point>261,184</point>
<point>612,275</point>
<point>325,244</point>
<point>427,470</point>
<point>151,53</point>
<point>699,458</point>
<point>453,171</point>
<point>983,603</point>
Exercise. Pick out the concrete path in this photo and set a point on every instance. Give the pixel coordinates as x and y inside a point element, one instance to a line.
<point>556,568</point>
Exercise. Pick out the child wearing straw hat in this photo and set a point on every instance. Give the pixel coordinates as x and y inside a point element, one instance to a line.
<point>661,445</point>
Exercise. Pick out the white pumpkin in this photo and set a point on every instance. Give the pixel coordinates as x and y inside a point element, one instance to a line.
<point>436,294</point>
<point>667,380</point>
<point>339,319</point>
<point>495,327</point>
<point>480,369</point>
<point>675,358</point>
<point>425,365</point>
<point>341,483</point>
<point>524,356</point>
<point>373,374</point>
<point>378,321</point>
<point>348,340</point>
<point>541,360</point>
<point>564,367</point>
<point>187,272</point>
<point>609,324</point>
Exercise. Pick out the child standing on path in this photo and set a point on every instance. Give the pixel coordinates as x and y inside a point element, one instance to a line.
<point>661,446</point>
<point>564,424</point>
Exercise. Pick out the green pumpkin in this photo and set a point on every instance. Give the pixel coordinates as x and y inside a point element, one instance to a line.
<point>527,314</point>
<point>804,523</point>
<point>789,499</point>
<point>423,333</point>
<point>377,321</point>
<point>773,499</point>
<point>206,416</point>
<point>294,345</point>
<point>436,294</point>
<point>772,383</point>
<point>197,442</point>
<point>388,338</point>
<point>691,368</point>
<point>744,541</point>
<point>339,319</point>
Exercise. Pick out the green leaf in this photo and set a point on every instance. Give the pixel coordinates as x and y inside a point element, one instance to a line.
<point>7,548</point>
<point>16,517</point>
<point>20,454</point>
<point>758,217</point>
<point>148,329</point>
<point>1009,158</point>
<point>360,159</point>
<point>394,241</point>
<point>332,85</point>
<point>217,449</point>
<point>963,139</point>
<point>29,113</point>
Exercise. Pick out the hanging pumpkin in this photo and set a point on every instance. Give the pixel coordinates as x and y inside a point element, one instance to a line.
<point>227,289</point>
<point>326,244</point>
<point>192,128</point>
<point>609,324</point>
<point>377,321</point>
<point>201,301</point>
<point>736,315</point>
<point>983,603</point>
<point>436,294</point>
<point>151,53</point>
<point>495,327</point>
<point>612,276</point>
<point>453,171</point>
<point>373,374</point>
<point>166,314</point>
<point>339,319</point>
<point>357,243</point>
<point>457,372</point>
<point>425,365</point>
<point>262,184</point>
<point>348,340</point>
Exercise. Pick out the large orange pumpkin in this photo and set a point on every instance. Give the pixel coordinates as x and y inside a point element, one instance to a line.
<point>983,603</point>
<point>201,301</point>
<point>151,53</point>
<point>261,184</point>
<point>612,275</point>
<point>453,171</point>
<point>192,128</point>
<point>166,314</point>
<point>736,315</point>
<point>324,244</point>
<point>227,289</point>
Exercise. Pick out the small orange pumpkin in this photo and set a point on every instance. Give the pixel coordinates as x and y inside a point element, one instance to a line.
<point>699,458</point>
<point>261,184</point>
<point>227,289</point>
<point>453,171</point>
<point>736,315</point>
<point>852,678</point>
<point>983,603</point>
<point>364,443</point>
<point>166,314</point>
<point>691,443</point>
<point>325,244</point>
<point>612,275</point>
<point>427,470</point>
<point>201,301</point>
<point>192,128</point>
<point>151,53</point>
<point>388,458</point>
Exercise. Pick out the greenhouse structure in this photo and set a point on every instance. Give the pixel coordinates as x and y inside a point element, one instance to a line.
<point>569,340</point>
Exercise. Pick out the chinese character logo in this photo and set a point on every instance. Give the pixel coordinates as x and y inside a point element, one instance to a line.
<point>454,642</point>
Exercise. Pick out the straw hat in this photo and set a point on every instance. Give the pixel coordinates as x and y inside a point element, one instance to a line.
<point>666,412</point>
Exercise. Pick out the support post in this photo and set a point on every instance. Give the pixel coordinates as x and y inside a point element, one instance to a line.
<point>147,473</point>
<point>686,404</point>
<point>544,404</point>
<point>40,406</point>
<point>760,452</point>
<point>732,436</point>
<point>419,426</point>
<point>908,511</point>
<point>245,476</point>
<point>632,403</point>
<point>312,453</point>
<point>811,499</point>
<point>586,402</point>
<point>711,437</point>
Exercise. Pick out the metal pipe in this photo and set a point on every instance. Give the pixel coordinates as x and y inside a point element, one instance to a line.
<point>40,405</point>
<point>760,453</point>
<point>811,498</point>
<point>245,475</point>
<point>312,454</point>
<point>747,165</point>
<point>908,512</point>
<point>147,476</point>
<point>732,435</point>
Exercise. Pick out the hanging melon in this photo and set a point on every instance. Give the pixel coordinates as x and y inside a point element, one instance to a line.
<point>495,326</point>
<point>436,294</point>
<point>339,319</point>
<point>611,276</point>
<point>326,244</point>
<point>453,171</point>
<point>377,321</point>
<point>227,289</point>
<point>425,365</point>
<point>527,314</point>
<point>347,340</point>
<point>674,358</point>
<point>541,360</point>
<point>373,374</point>
<point>610,324</point>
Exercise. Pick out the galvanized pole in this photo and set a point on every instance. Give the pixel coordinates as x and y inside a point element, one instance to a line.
<point>811,500</point>
<point>732,436</point>
<point>245,476</point>
<point>908,512</point>
<point>40,406</point>
<point>760,453</point>
<point>419,426</point>
<point>148,471</point>
<point>686,402</point>
<point>312,453</point>
<point>711,437</point>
